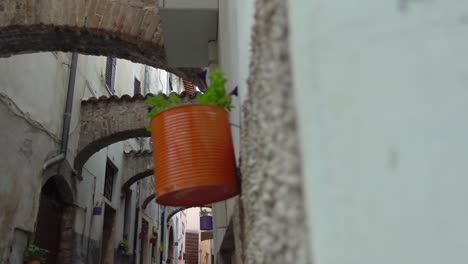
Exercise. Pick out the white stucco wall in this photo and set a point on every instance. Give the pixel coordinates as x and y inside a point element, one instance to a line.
<point>234,35</point>
<point>33,82</point>
<point>32,89</point>
<point>178,223</point>
<point>193,219</point>
<point>382,103</point>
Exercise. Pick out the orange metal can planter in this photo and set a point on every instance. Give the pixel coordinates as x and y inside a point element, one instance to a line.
<point>194,160</point>
<point>34,262</point>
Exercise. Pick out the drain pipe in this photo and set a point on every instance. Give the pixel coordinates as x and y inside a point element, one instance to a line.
<point>66,116</point>
<point>163,240</point>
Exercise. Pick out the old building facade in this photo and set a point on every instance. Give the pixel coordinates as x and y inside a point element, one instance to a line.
<point>349,129</point>
<point>99,125</point>
<point>78,211</point>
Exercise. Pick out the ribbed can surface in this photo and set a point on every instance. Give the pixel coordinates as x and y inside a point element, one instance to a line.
<point>193,156</point>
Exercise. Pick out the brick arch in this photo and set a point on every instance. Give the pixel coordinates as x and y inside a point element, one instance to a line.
<point>108,120</point>
<point>137,166</point>
<point>174,211</point>
<point>62,174</point>
<point>128,29</point>
<point>148,200</point>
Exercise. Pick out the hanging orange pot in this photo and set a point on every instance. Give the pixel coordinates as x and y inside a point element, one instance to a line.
<point>194,160</point>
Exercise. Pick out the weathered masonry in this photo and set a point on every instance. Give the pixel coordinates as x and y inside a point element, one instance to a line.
<point>108,120</point>
<point>127,29</point>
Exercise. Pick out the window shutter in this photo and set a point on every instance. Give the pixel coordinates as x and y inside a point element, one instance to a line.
<point>189,87</point>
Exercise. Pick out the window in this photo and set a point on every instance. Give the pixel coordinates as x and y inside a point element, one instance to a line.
<point>111,170</point>
<point>171,88</point>
<point>136,87</point>
<point>110,74</point>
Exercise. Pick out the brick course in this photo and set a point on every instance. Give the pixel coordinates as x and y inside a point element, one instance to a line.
<point>136,166</point>
<point>128,29</point>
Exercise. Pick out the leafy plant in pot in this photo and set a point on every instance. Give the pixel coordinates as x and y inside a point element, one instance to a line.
<point>123,246</point>
<point>153,240</point>
<point>193,150</point>
<point>204,212</point>
<point>35,255</point>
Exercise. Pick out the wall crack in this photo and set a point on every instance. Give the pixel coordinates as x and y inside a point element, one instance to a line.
<point>14,108</point>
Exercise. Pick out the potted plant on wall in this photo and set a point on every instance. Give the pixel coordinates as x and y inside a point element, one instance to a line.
<point>193,152</point>
<point>97,210</point>
<point>123,246</point>
<point>35,255</point>
<point>153,240</point>
<point>206,220</point>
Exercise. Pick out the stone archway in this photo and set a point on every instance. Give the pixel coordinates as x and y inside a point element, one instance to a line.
<point>147,201</point>
<point>174,211</point>
<point>128,29</point>
<point>137,166</point>
<point>55,219</point>
<point>107,120</point>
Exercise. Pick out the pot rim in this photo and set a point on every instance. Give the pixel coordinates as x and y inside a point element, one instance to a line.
<point>188,105</point>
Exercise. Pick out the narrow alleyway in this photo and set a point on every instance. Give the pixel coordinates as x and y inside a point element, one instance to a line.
<point>230,132</point>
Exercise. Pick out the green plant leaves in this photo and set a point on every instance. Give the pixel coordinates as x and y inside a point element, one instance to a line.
<point>123,244</point>
<point>35,253</point>
<point>215,94</point>
<point>175,99</point>
<point>160,102</point>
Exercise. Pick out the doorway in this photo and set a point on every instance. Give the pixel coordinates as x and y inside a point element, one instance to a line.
<point>55,219</point>
<point>170,253</point>
<point>49,218</point>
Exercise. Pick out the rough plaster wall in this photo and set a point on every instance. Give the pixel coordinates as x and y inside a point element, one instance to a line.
<point>272,199</point>
<point>35,82</point>
<point>25,144</point>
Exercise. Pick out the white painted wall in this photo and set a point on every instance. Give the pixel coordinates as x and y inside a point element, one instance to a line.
<point>31,85</point>
<point>234,35</point>
<point>193,218</point>
<point>178,222</point>
<point>381,90</point>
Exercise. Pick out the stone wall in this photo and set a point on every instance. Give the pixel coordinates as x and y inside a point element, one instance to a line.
<point>272,218</point>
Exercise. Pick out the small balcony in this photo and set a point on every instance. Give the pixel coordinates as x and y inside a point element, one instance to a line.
<point>189,29</point>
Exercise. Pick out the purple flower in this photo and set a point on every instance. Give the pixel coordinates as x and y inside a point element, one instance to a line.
<point>202,75</point>
<point>234,91</point>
